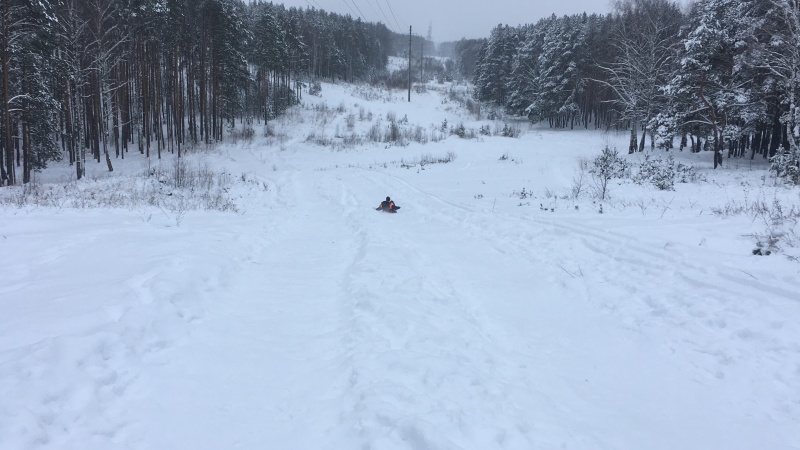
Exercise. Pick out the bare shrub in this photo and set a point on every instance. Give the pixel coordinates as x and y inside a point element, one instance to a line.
<point>417,134</point>
<point>436,135</point>
<point>580,178</point>
<point>474,108</point>
<point>393,133</point>
<point>429,159</point>
<point>351,140</point>
<point>375,133</point>
<point>779,221</point>
<point>607,166</point>
<point>523,194</point>
<point>181,175</point>
<point>205,177</point>
<point>177,187</point>
<point>512,131</point>
<point>269,130</point>
<point>319,139</point>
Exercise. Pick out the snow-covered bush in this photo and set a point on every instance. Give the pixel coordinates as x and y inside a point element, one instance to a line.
<point>665,126</point>
<point>786,165</point>
<point>315,88</point>
<point>463,132</point>
<point>657,171</point>
<point>687,173</point>
<point>607,166</point>
<point>663,173</point>
<point>612,163</point>
<point>512,131</point>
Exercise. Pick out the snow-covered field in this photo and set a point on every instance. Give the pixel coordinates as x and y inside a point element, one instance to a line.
<point>494,311</point>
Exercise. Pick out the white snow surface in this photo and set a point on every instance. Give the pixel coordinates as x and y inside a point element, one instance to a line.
<point>472,319</point>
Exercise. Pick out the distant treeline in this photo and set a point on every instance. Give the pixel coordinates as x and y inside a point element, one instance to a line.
<point>723,75</point>
<point>102,77</point>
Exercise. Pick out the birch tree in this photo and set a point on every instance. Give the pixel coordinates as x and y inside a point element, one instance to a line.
<point>645,38</point>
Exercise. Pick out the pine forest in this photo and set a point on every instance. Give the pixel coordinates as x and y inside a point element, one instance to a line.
<point>98,79</point>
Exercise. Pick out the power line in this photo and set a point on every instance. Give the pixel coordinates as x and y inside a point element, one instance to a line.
<point>372,8</point>
<point>348,6</point>
<point>382,13</point>
<point>395,18</point>
<point>359,10</point>
<point>360,13</point>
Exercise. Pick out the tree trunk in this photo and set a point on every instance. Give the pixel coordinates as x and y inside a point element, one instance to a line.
<point>9,149</point>
<point>641,141</point>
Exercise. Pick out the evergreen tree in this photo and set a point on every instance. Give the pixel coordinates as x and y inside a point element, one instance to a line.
<point>466,53</point>
<point>492,79</point>
<point>710,75</point>
<point>28,123</point>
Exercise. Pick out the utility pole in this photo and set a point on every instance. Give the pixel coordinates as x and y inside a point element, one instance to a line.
<point>409,63</point>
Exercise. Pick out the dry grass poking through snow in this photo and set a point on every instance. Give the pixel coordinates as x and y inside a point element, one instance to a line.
<point>177,186</point>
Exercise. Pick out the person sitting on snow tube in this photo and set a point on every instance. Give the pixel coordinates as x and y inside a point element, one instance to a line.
<point>387,206</point>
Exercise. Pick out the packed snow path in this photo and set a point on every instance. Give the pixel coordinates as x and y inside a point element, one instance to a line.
<point>313,321</point>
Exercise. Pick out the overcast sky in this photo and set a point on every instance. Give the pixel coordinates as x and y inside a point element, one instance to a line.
<point>452,19</point>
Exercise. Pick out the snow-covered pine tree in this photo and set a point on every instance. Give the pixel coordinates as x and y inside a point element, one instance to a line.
<point>466,56</point>
<point>492,77</point>
<point>29,45</point>
<point>710,75</point>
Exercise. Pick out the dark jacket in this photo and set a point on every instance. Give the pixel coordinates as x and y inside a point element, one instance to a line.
<point>387,205</point>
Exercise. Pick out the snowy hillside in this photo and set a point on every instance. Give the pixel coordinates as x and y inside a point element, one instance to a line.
<point>499,309</point>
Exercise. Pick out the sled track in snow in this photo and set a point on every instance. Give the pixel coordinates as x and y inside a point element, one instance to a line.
<point>611,238</point>
<point>656,287</point>
<point>405,314</point>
